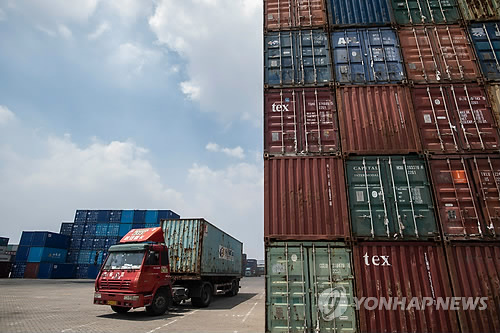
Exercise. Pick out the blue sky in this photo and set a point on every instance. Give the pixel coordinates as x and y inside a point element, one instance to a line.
<point>131,104</point>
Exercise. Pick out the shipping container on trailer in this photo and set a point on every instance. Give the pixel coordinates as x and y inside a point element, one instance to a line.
<point>414,12</point>
<point>486,41</point>
<point>467,191</point>
<point>397,272</point>
<point>294,14</point>
<point>358,12</point>
<point>435,54</point>
<point>377,119</point>
<point>305,199</point>
<point>480,10</point>
<point>455,118</point>
<point>475,272</point>
<point>297,58</point>
<point>301,277</point>
<point>390,198</point>
<point>367,56</point>
<point>300,121</point>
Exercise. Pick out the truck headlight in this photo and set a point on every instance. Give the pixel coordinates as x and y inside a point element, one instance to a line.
<point>131,297</point>
<point>97,295</point>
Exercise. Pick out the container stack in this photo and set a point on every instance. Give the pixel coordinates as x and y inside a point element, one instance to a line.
<point>381,158</point>
<point>5,258</point>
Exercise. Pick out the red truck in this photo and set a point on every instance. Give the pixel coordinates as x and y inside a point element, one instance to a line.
<point>156,267</point>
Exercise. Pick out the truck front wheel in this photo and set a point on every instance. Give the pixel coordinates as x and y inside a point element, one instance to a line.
<point>120,309</point>
<point>205,297</point>
<point>160,303</point>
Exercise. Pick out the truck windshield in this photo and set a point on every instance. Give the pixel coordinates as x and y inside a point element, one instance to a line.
<point>124,260</point>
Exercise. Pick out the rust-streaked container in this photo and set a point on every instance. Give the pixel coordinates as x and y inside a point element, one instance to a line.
<point>31,271</point>
<point>480,10</point>
<point>300,121</point>
<point>435,54</point>
<point>475,272</point>
<point>455,118</point>
<point>377,119</point>
<point>294,14</point>
<point>305,199</point>
<point>468,195</point>
<point>494,96</point>
<point>389,269</point>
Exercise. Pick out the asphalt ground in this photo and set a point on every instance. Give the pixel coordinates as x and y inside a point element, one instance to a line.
<point>66,306</point>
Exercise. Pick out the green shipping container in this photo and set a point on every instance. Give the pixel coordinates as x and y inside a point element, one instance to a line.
<point>409,12</point>
<point>309,288</point>
<point>380,203</point>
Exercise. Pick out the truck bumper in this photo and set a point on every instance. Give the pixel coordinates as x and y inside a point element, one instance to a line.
<point>125,300</point>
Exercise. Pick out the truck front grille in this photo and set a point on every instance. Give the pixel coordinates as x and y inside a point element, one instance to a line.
<point>115,284</point>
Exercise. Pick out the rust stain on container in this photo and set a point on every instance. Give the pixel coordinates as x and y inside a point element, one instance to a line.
<point>455,119</point>
<point>479,10</point>
<point>289,14</point>
<point>305,199</point>
<point>300,121</point>
<point>377,120</point>
<point>402,270</point>
<point>438,54</point>
<point>475,272</point>
<point>468,195</point>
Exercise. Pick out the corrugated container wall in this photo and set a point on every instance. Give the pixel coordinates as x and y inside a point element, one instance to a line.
<point>390,198</point>
<point>297,58</point>
<point>402,271</point>
<point>480,10</point>
<point>298,275</point>
<point>358,12</point>
<point>455,119</point>
<point>486,40</point>
<point>475,272</point>
<point>292,14</point>
<point>377,120</point>
<point>411,12</point>
<point>438,54</point>
<point>494,98</point>
<point>468,195</point>
<point>300,121</point>
<point>305,199</point>
<point>367,56</point>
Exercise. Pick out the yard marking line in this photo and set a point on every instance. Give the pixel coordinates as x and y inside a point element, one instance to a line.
<point>71,329</point>
<point>160,327</point>
<point>248,313</point>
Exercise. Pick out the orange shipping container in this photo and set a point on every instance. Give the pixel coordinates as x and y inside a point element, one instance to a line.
<point>289,14</point>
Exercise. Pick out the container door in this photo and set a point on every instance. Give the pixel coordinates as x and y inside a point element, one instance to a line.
<point>278,14</point>
<point>486,175</point>
<point>422,63</point>
<point>310,13</point>
<point>313,61</point>
<point>331,276</point>
<point>414,211</point>
<point>287,290</point>
<point>280,58</point>
<point>348,57</point>
<point>441,11</point>
<point>486,38</point>
<point>425,11</point>
<point>364,12</point>
<point>480,10</point>
<point>383,56</point>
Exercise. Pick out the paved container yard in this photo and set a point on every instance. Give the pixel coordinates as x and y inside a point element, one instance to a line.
<point>66,306</point>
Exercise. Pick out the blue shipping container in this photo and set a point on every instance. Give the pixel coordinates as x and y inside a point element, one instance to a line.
<point>82,271</point>
<point>152,225</point>
<point>367,56</point>
<point>167,214</point>
<point>99,243</point>
<point>90,229</point>
<point>66,229</point>
<point>138,225</point>
<point>87,243</point>
<point>127,216</point>
<point>50,239</point>
<point>26,238</point>
<point>297,57</point>
<point>18,270</point>
<point>80,216</point>
<point>113,230</point>
<point>78,229</point>
<point>115,216</point>
<point>124,229</point>
<point>102,229</point>
<point>75,243</point>
<point>486,39</point>
<point>103,216</point>
<point>47,254</point>
<point>92,216</point>
<point>56,271</point>
<point>100,256</point>
<point>84,257</point>
<point>22,253</point>
<point>72,256</point>
<point>139,216</point>
<point>151,216</point>
<point>111,241</point>
<point>358,12</point>
<point>93,271</point>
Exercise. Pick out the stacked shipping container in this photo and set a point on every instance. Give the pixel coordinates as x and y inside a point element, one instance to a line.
<point>381,138</point>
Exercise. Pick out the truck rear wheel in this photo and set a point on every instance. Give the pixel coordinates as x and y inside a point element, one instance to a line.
<point>160,303</point>
<point>235,288</point>
<point>205,297</point>
<point>120,309</point>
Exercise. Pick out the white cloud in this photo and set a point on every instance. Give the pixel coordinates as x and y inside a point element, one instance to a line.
<point>190,89</point>
<point>134,57</point>
<point>3,16</point>
<point>101,29</point>
<point>64,31</point>
<point>131,9</point>
<point>45,30</point>
<point>222,43</point>
<point>74,10</point>
<point>6,115</point>
<point>237,152</point>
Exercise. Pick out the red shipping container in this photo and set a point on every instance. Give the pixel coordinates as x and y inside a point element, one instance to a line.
<point>435,54</point>
<point>300,121</point>
<point>377,119</point>
<point>475,272</point>
<point>468,195</point>
<point>31,271</point>
<point>305,199</point>
<point>391,270</point>
<point>289,14</point>
<point>455,119</point>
